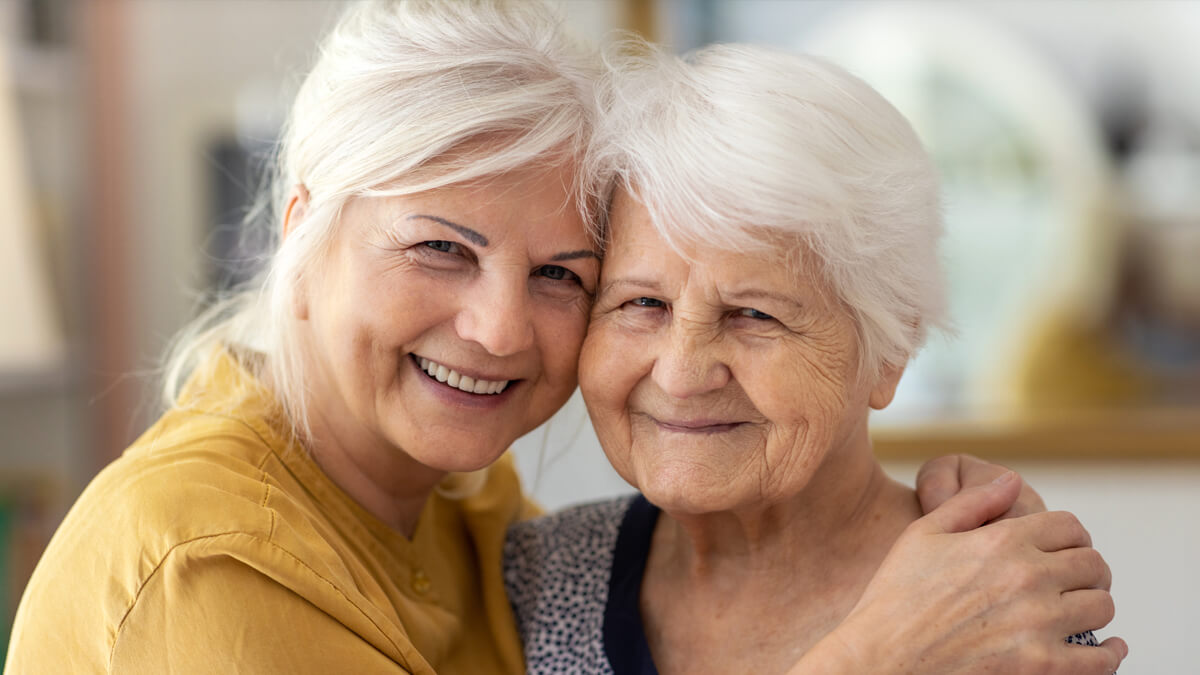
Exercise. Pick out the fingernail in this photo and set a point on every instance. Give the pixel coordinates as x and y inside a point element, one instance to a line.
<point>1004,477</point>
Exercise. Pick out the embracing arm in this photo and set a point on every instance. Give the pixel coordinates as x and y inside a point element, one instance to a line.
<point>954,597</point>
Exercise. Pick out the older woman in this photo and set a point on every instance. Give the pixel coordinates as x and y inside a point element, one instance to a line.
<point>326,492</point>
<point>771,267</point>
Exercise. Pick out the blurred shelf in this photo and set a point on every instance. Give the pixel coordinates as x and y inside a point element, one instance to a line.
<point>1172,433</point>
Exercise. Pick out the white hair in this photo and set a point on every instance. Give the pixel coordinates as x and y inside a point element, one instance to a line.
<point>735,142</point>
<point>404,97</point>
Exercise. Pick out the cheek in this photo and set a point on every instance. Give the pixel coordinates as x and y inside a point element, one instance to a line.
<point>600,371</point>
<point>563,331</point>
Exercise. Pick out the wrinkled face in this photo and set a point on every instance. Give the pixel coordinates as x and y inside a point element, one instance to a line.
<point>447,323</point>
<point>722,382</point>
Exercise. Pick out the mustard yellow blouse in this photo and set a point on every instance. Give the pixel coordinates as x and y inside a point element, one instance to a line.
<point>216,545</point>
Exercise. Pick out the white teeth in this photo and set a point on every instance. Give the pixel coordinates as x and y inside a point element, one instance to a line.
<point>459,381</point>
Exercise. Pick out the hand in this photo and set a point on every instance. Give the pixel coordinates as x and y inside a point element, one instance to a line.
<point>942,478</point>
<point>954,597</point>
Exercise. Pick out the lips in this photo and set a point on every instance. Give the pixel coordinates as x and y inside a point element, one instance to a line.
<point>457,380</point>
<point>699,426</point>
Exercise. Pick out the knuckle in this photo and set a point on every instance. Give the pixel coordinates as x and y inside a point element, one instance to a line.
<point>1071,526</point>
<point>1024,578</point>
<point>1039,661</point>
<point>1107,608</point>
<point>1096,565</point>
<point>1001,536</point>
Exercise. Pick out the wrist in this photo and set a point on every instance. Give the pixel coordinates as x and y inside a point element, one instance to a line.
<point>838,653</point>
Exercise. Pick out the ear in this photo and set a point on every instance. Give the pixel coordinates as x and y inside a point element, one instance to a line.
<point>297,207</point>
<point>885,387</point>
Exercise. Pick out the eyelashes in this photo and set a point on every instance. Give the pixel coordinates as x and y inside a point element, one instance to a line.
<point>646,302</point>
<point>441,253</point>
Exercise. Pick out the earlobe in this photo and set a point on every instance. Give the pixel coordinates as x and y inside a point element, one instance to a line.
<point>297,208</point>
<point>299,301</point>
<point>885,387</point>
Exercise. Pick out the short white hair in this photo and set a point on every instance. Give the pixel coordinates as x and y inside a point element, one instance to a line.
<point>404,97</point>
<point>733,142</point>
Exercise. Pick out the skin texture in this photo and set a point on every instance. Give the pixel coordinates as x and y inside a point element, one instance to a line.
<point>426,275</point>
<point>691,372</point>
<point>725,386</point>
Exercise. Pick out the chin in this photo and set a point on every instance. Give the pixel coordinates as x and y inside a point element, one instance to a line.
<point>458,454</point>
<point>686,495</point>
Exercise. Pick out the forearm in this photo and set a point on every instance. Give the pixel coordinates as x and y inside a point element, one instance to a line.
<point>840,654</point>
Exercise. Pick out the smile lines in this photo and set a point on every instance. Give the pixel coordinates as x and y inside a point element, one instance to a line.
<point>459,381</point>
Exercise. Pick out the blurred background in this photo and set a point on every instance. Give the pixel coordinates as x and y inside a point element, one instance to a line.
<point>133,134</point>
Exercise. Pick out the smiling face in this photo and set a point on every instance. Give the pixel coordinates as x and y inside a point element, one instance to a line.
<point>720,381</point>
<point>445,324</point>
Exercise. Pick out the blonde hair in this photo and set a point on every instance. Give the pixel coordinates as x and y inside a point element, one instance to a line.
<point>404,97</point>
<point>735,142</point>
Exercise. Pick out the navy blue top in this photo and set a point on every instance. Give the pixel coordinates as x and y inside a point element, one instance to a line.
<point>624,636</point>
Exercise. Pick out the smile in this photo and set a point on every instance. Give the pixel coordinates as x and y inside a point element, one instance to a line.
<point>457,380</point>
<point>697,426</point>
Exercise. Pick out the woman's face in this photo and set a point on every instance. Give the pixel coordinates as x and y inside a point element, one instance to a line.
<point>448,323</point>
<point>721,382</point>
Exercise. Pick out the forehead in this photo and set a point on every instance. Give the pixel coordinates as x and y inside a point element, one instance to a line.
<point>538,199</point>
<point>765,255</point>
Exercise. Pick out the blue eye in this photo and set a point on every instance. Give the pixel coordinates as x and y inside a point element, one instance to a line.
<point>442,246</point>
<point>556,273</point>
<point>647,302</point>
<point>752,313</point>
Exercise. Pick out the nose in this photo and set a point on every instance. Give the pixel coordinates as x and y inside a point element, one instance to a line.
<point>689,362</point>
<point>497,315</point>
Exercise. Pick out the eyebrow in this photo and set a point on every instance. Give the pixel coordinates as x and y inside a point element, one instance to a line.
<point>575,255</point>
<point>471,235</point>
<point>758,294</point>
<point>640,283</point>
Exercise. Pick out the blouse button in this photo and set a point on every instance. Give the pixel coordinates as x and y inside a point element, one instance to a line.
<point>420,582</point>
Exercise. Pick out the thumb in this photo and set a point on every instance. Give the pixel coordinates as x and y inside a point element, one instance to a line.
<point>974,506</point>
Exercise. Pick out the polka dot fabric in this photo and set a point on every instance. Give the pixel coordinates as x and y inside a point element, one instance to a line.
<point>557,570</point>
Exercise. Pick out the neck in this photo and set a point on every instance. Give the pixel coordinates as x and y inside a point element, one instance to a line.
<point>383,479</point>
<point>778,576</point>
<point>849,503</point>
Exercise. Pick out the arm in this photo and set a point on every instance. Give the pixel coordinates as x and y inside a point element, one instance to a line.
<point>220,614</point>
<point>954,597</point>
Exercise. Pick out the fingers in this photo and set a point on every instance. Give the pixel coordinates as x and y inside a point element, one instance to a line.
<point>937,481</point>
<point>1081,568</point>
<point>973,507</point>
<point>1117,646</point>
<point>940,479</point>
<point>1101,660</point>
<point>1055,531</point>
<point>1029,502</point>
<point>1084,610</point>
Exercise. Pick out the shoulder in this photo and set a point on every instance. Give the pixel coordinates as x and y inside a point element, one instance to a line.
<point>570,539</point>
<point>557,570</point>
<point>182,488</point>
